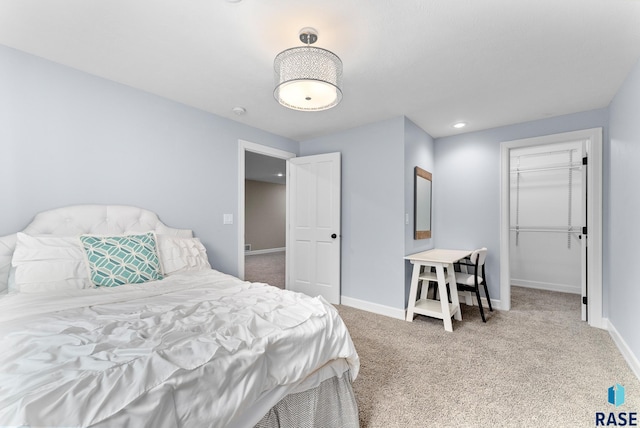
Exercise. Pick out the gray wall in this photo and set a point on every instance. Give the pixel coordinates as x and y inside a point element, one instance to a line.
<point>265,215</point>
<point>467,184</point>
<point>377,191</point>
<point>373,207</point>
<point>418,151</point>
<point>621,234</point>
<point>67,137</point>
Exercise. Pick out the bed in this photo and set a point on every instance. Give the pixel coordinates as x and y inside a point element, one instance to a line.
<point>163,340</point>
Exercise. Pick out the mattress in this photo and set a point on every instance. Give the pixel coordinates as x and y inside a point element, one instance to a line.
<point>195,349</point>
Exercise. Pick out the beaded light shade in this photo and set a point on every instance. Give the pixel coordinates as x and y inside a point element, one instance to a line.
<point>308,78</point>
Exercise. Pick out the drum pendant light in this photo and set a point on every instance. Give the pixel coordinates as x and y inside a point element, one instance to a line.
<point>308,78</point>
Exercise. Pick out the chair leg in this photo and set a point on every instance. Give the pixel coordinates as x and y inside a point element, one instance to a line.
<point>486,293</point>
<point>486,290</point>
<point>435,290</point>
<point>480,304</point>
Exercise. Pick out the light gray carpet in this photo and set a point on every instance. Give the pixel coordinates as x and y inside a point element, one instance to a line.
<point>268,268</point>
<point>537,365</point>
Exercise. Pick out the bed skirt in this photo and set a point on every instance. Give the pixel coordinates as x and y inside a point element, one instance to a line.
<point>330,404</point>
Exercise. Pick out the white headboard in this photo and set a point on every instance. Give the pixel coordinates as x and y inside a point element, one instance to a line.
<point>80,219</point>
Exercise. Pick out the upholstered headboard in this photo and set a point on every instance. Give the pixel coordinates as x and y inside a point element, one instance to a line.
<point>80,219</point>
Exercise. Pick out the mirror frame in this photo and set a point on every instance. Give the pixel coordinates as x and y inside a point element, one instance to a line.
<point>421,173</point>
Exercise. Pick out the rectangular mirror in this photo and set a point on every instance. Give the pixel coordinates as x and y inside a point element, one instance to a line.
<point>422,204</point>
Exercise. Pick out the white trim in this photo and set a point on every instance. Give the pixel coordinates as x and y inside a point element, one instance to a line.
<point>594,226</point>
<point>624,349</point>
<point>505,190</point>
<point>396,313</point>
<point>549,286</point>
<point>265,150</point>
<point>495,304</point>
<point>373,307</point>
<point>594,215</point>
<point>265,251</point>
<point>469,298</point>
<point>246,146</point>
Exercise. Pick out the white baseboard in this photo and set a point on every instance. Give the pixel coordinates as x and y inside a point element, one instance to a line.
<point>401,313</point>
<point>624,349</point>
<point>495,304</point>
<point>265,251</point>
<point>373,307</point>
<point>550,286</point>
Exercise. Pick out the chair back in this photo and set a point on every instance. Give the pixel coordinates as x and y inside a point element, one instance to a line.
<point>478,257</point>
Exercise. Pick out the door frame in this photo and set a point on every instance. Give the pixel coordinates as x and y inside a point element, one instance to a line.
<point>243,147</point>
<point>593,137</point>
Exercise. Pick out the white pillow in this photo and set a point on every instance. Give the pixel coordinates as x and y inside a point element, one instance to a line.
<point>47,263</point>
<point>181,254</point>
<point>7,245</point>
<point>11,281</point>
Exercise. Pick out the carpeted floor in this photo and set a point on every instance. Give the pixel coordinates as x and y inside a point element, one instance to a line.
<point>268,268</point>
<point>537,365</point>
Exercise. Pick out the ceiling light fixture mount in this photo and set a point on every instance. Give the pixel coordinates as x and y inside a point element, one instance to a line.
<point>308,35</point>
<point>308,78</point>
<point>239,110</point>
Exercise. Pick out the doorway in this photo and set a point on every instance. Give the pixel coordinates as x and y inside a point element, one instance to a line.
<point>265,219</point>
<point>590,238</point>
<point>266,160</point>
<point>547,212</point>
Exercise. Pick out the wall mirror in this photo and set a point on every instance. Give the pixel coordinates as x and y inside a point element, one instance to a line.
<point>422,204</point>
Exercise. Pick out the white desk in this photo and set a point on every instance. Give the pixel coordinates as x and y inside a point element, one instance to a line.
<point>442,309</point>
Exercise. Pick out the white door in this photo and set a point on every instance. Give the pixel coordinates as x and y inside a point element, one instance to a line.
<point>584,240</point>
<point>313,248</point>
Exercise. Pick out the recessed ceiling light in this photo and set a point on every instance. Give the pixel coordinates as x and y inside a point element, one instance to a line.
<point>459,125</point>
<point>280,174</point>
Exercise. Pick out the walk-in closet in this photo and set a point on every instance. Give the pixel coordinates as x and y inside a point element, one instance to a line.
<point>547,203</point>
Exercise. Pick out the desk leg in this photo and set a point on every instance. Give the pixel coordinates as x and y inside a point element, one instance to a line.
<point>413,293</point>
<point>455,300</point>
<point>444,300</point>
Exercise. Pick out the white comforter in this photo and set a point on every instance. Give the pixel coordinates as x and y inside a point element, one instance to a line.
<point>195,349</point>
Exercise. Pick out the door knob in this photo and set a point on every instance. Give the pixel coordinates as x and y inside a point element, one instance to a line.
<point>334,236</point>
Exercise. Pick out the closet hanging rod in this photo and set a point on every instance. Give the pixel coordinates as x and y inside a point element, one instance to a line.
<point>534,229</point>
<point>551,168</point>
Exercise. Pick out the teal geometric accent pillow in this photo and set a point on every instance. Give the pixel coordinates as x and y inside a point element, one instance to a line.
<point>117,260</point>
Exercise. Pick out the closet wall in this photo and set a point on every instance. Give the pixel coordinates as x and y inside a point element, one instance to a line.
<point>547,215</point>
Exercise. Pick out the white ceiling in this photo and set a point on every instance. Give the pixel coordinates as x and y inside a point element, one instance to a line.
<point>264,168</point>
<point>486,62</point>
